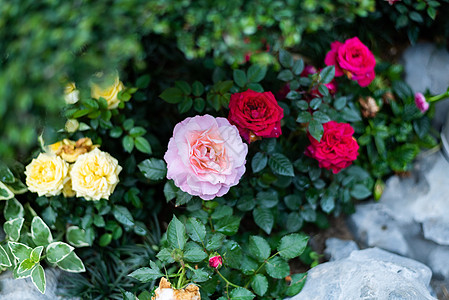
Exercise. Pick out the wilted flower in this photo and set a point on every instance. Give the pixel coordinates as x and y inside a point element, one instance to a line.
<point>421,102</point>
<point>369,107</point>
<point>166,292</point>
<point>70,150</point>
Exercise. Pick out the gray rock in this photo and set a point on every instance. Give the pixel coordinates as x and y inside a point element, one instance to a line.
<point>24,289</point>
<point>438,261</point>
<point>437,230</point>
<point>369,274</point>
<point>337,249</point>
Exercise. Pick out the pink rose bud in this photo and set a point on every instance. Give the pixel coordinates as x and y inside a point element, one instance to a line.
<point>421,102</point>
<point>215,261</point>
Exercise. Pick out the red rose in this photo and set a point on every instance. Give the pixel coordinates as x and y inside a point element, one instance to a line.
<point>256,115</point>
<point>337,148</point>
<point>353,59</point>
<point>215,261</point>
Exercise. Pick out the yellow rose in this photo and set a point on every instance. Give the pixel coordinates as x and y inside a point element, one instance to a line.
<point>46,174</point>
<point>71,94</point>
<point>67,190</point>
<point>109,93</point>
<point>94,175</point>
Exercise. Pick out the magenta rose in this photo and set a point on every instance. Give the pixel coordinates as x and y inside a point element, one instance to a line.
<point>353,59</point>
<point>337,148</point>
<point>256,115</point>
<point>205,156</point>
<point>215,261</point>
<point>421,102</point>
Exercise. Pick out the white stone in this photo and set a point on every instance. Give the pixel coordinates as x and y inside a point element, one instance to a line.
<point>338,249</point>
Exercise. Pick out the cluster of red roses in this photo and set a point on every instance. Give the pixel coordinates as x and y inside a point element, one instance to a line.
<point>258,115</point>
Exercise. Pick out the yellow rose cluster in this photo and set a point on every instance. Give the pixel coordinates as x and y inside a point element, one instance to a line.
<point>73,168</point>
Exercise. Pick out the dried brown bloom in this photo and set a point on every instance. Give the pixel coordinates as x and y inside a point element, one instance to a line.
<point>70,150</point>
<point>166,292</point>
<point>388,97</point>
<point>369,107</point>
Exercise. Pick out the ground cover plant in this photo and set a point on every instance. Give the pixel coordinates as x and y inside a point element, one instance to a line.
<point>194,154</point>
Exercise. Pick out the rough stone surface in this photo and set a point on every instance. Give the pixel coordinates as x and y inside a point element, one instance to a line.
<point>24,289</point>
<point>427,67</point>
<point>368,274</point>
<point>337,249</point>
<point>438,261</point>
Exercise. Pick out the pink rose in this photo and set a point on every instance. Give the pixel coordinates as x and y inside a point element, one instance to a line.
<point>215,261</point>
<point>353,59</point>
<point>205,156</point>
<point>337,148</point>
<point>421,102</point>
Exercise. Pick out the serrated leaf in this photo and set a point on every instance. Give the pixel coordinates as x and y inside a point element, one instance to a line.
<point>264,219</point>
<point>194,252</point>
<point>327,202</point>
<point>12,228</point>
<point>340,102</point>
<point>316,129</point>
<point>172,95</point>
<point>259,283</point>
<point>146,274</point>
<point>57,251</point>
<point>267,199</point>
<point>123,215</point>
<point>298,67</point>
<point>182,197</point>
<point>285,58</point>
<point>240,77</point>
<point>303,117</point>
<point>165,256</point>
<point>292,245</point>
<point>214,241</point>
<point>315,103</point>
<point>327,74</point>
<point>197,88</point>
<point>170,190</point>
<point>185,105</point>
<point>285,75</point>
<point>277,268</point>
<point>40,233</point>
<point>321,117</point>
<point>176,234</point>
<point>228,225</point>
<point>241,294</point>
<point>195,230</point>
<point>200,275</point>
<point>142,145</point>
<point>128,143</point>
<point>72,263</point>
<point>256,73</point>
<point>297,283</point>
<point>281,165</point>
<point>259,248</point>
<point>360,191</point>
<point>259,162</point>
<point>153,168</point>
<point>199,104</point>
<point>350,115</point>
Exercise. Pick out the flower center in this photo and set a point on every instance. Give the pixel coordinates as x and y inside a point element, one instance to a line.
<point>207,152</point>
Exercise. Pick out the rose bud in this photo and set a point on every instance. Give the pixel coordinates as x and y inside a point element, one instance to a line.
<point>215,261</point>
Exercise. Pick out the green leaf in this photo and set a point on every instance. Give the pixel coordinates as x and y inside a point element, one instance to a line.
<point>294,222</point>
<point>264,219</point>
<point>246,203</point>
<point>316,130</point>
<point>259,248</point>
<point>184,87</point>
<point>221,211</point>
<point>195,230</point>
<point>165,256</point>
<point>77,236</point>
<point>40,233</point>
<point>128,295</point>
<point>259,162</point>
<point>146,274</point>
<point>12,228</point>
<point>256,73</point>
<point>327,202</point>
<point>296,285</point>
<point>35,255</point>
<point>194,252</point>
<point>228,225</point>
<point>123,215</point>
<point>199,104</point>
<point>172,95</point>
<point>105,239</point>
<point>142,145</point>
<point>128,143</point>
<point>350,115</point>
<point>25,265</point>
<point>292,245</point>
<point>303,117</point>
<point>340,102</point>
<point>143,81</point>
<point>277,268</point>
<point>267,199</point>
<point>285,58</point>
<point>57,251</point>
<point>285,75</point>
<point>185,105</point>
<point>182,197</point>
<point>197,88</point>
<point>17,187</point>
<point>241,294</point>
<point>239,77</point>
<point>321,117</point>
<point>259,283</point>
<point>298,67</point>
<point>72,263</point>
<point>20,251</point>
<point>5,192</point>
<point>214,241</point>
<point>6,175</point>
<point>153,168</point>
<point>281,165</point>
<point>4,258</point>
<point>360,191</point>
<point>200,275</point>
<point>255,87</point>
<point>415,16</point>
<point>327,74</point>
<point>176,234</point>
<point>145,295</point>
<point>170,190</point>
<point>315,103</point>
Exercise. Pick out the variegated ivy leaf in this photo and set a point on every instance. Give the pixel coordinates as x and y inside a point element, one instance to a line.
<point>5,192</point>
<point>20,251</point>
<point>13,209</point>
<point>40,233</point>
<point>38,278</point>
<point>77,237</point>
<point>35,255</point>
<point>12,228</point>
<point>72,263</point>
<point>25,265</point>
<point>4,258</point>
<point>57,251</point>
